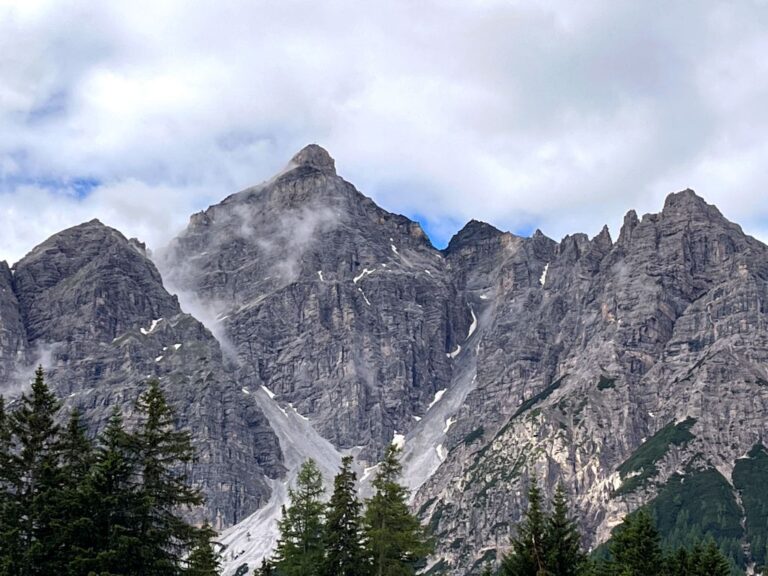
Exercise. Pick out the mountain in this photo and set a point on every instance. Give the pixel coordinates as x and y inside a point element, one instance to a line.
<point>309,322</point>
<point>91,306</point>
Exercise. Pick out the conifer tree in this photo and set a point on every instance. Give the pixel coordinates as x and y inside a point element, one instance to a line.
<point>636,545</point>
<point>346,554</point>
<point>35,462</point>
<point>528,556</point>
<point>300,548</point>
<point>110,533</point>
<point>711,561</point>
<point>266,568</point>
<point>73,507</point>
<point>564,556</point>
<point>397,542</point>
<point>9,513</point>
<point>162,455</point>
<point>203,560</point>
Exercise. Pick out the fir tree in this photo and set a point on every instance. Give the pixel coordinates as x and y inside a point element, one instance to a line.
<point>529,554</point>
<point>397,542</point>
<point>110,533</point>
<point>300,548</point>
<point>345,550</point>
<point>711,561</point>
<point>162,454</point>
<point>73,506</point>
<point>10,514</point>
<point>204,560</point>
<point>636,546</point>
<point>34,463</point>
<point>266,568</point>
<point>564,556</point>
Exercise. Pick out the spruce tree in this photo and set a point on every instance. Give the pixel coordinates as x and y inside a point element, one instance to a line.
<point>398,544</point>
<point>34,461</point>
<point>711,561</point>
<point>300,548</point>
<point>203,560</point>
<point>110,533</point>
<point>72,504</point>
<point>10,550</point>
<point>529,555</point>
<point>162,455</point>
<point>564,556</point>
<point>346,554</point>
<point>636,546</point>
<point>267,568</point>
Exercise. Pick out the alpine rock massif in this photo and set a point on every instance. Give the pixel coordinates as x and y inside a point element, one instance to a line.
<point>298,319</point>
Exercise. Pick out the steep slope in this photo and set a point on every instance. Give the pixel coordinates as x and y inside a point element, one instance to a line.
<point>13,337</point>
<point>336,306</point>
<point>96,302</point>
<point>592,358</point>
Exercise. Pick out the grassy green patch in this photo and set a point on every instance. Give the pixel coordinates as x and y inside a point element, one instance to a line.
<point>701,504</point>
<point>536,398</point>
<point>642,463</point>
<point>750,477</point>
<point>606,383</point>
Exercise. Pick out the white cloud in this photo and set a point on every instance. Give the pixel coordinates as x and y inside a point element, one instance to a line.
<point>556,115</point>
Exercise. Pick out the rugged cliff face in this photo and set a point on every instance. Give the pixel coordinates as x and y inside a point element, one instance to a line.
<point>321,325</point>
<point>336,306</point>
<point>613,368</point>
<point>93,309</point>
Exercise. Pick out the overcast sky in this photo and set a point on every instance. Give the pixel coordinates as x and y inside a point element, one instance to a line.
<point>546,114</point>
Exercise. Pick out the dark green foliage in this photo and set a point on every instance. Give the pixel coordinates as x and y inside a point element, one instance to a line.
<point>162,455</point>
<point>345,551</point>
<point>643,461</point>
<point>698,506</point>
<point>546,544</point>
<point>34,463</point>
<point>563,541</point>
<point>606,383</point>
<point>476,434</point>
<point>266,568</point>
<point>397,543</point>
<point>300,548</point>
<point>636,546</point>
<point>750,478</point>
<point>536,398</point>
<point>203,560</point>
<point>529,548</point>
<point>67,509</point>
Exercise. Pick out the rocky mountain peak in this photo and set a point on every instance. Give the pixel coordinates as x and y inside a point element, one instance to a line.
<point>473,232</point>
<point>315,157</point>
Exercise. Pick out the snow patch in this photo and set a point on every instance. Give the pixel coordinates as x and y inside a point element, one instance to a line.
<point>176,346</point>
<point>543,278</point>
<point>158,359</point>
<point>362,275</point>
<point>427,271</point>
<point>246,391</point>
<point>268,391</point>
<point>454,353</point>
<point>398,440</point>
<point>448,423</point>
<point>365,297</point>
<point>320,274</point>
<point>417,418</point>
<point>438,395</point>
<point>473,326</point>
<point>152,327</point>
<point>442,453</point>
<point>394,249</point>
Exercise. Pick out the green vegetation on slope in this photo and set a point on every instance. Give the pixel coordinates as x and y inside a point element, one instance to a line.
<point>642,463</point>
<point>750,477</point>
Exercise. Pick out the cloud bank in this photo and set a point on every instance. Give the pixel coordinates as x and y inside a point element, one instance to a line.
<point>552,115</point>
